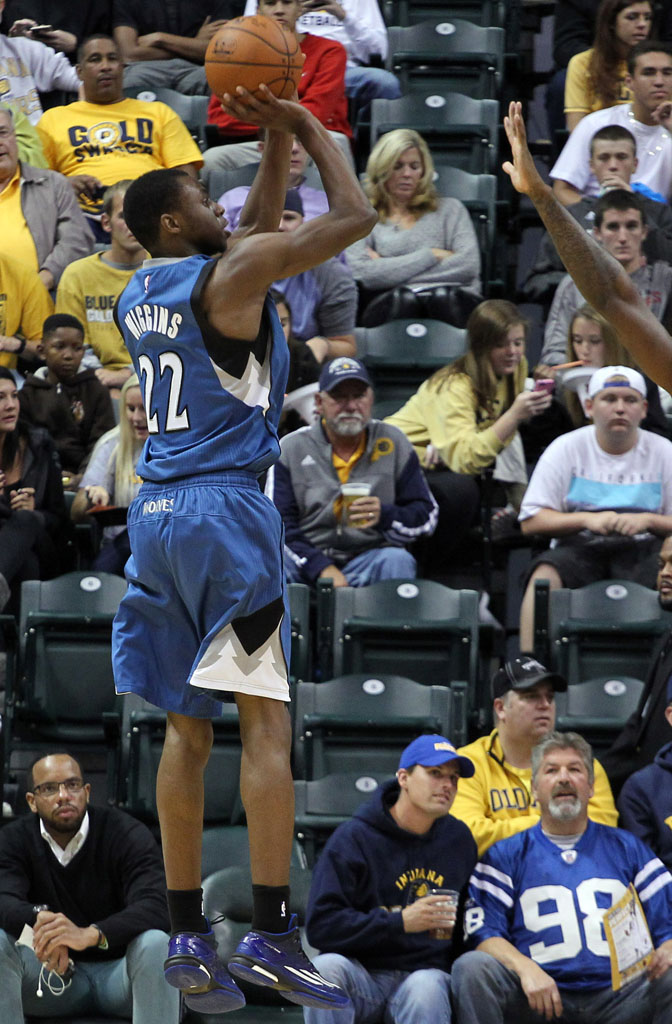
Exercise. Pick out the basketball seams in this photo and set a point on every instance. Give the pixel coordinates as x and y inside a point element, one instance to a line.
<point>254,53</point>
<point>267,42</point>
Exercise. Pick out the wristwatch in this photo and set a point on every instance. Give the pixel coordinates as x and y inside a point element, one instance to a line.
<point>102,941</point>
<point>39,907</point>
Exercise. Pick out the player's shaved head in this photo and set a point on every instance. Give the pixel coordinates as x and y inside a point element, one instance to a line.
<point>148,198</point>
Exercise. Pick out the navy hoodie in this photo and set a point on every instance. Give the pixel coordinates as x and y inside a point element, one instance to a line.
<point>369,870</point>
<point>645,804</point>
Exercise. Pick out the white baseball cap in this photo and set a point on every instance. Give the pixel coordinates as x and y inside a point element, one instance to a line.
<point>616,377</point>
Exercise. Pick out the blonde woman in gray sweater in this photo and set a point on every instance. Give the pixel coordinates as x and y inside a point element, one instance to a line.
<point>422,257</point>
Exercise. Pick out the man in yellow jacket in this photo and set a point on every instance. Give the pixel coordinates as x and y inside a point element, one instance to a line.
<point>497,801</point>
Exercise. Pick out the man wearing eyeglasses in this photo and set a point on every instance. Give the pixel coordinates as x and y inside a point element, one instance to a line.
<point>89,883</point>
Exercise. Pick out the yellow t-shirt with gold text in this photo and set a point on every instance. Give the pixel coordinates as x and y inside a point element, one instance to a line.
<point>115,141</point>
<point>88,289</point>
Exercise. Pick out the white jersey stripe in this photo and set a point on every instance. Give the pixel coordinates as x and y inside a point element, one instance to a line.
<point>494,890</point>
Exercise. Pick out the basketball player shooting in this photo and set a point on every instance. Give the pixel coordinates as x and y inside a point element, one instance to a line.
<point>205,617</point>
<point>598,276</point>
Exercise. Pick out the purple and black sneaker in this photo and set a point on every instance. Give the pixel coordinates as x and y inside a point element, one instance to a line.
<point>194,967</point>
<point>277,960</point>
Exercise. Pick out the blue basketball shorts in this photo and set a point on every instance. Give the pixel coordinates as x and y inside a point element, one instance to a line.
<point>205,614</point>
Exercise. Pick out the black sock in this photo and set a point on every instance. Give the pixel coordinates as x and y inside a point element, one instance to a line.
<point>270,908</point>
<point>185,908</point>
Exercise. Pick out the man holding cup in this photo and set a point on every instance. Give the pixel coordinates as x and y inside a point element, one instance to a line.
<point>349,488</point>
<point>384,898</point>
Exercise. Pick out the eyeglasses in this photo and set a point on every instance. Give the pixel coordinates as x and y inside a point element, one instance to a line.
<point>52,788</point>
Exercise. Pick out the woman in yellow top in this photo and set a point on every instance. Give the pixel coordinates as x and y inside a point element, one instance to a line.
<point>596,77</point>
<point>467,413</point>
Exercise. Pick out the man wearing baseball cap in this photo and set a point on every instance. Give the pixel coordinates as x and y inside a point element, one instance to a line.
<point>372,909</point>
<point>497,801</point>
<point>349,488</point>
<point>602,493</point>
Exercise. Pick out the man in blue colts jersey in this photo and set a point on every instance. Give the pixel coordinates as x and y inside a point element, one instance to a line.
<point>205,616</point>
<point>536,904</point>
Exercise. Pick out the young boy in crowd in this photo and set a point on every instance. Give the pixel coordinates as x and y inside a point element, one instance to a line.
<point>73,406</point>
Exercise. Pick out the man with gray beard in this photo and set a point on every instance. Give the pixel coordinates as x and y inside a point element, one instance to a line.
<point>349,489</point>
<point>536,907</point>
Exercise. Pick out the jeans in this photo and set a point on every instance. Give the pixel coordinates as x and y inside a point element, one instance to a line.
<point>238,154</point>
<point>176,73</point>
<point>365,84</point>
<point>395,997</point>
<point>133,985</point>
<point>486,992</point>
<point>369,567</point>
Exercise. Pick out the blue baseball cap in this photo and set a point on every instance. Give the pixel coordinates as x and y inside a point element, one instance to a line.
<point>433,750</point>
<point>342,368</point>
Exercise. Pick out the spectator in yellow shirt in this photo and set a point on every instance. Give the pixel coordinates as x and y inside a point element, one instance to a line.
<point>24,306</point>
<point>105,137</point>
<point>498,801</point>
<point>90,287</point>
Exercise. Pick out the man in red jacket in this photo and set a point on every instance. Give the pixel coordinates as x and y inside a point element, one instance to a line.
<point>321,90</point>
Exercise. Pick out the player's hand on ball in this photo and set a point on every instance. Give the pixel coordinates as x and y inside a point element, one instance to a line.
<point>263,110</point>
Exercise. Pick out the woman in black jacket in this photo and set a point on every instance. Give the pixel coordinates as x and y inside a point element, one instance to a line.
<point>32,507</point>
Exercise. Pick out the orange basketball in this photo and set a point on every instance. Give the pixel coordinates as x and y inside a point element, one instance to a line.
<point>251,51</point>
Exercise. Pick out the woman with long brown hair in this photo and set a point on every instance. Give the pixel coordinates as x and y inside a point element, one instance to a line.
<point>596,77</point>
<point>462,418</point>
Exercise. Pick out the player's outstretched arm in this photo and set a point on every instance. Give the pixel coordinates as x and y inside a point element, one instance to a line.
<point>600,278</point>
<point>265,202</point>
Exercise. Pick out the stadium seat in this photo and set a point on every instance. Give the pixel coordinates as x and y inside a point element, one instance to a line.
<point>359,722</point>
<point>602,629</point>
<point>147,731</point>
<point>409,12</point>
<point>459,129</point>
<point>417,628</point>
<point>222,180</point>
<point>448,54</point>
<point>322,804</point>
<point>65,685</point>
<point>193,110</point>
<point>598,708</point>
<point>401,354</point>
<point>301,651</point>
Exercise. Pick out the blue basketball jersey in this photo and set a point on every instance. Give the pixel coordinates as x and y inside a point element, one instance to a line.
<point>549,902</point>
<point>212,403</point>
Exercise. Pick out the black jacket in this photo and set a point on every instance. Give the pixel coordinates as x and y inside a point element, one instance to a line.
<point>647,730</point>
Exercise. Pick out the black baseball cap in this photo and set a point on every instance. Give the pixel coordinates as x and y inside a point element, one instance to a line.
<point>522,674</point>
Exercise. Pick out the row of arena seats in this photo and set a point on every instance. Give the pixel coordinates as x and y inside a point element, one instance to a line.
<point>394,659</point>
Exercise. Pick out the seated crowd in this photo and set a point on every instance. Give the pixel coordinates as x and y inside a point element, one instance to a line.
<point>473,885</point>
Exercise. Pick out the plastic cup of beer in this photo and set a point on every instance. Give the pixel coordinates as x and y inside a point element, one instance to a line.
<point>449,901</point>
<point>350,492</point>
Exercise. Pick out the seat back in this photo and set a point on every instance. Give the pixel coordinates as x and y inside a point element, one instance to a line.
<point>598,708</point>
<point>66,627</point>
<point>605,628</point>
<point>147,730</point>
<point>455,55</point>
<point>301,651</point>
<point>222,180</point>
<point>322,804</point>
<point>460,130</point>
<point>478,192</point>
<point>417,628</point>
<point>409,12</point>
<point>401,354</point>
<point>361,723</point>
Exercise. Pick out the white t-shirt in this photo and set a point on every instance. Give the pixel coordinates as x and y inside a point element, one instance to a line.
<point>654,152</point>
<point>27,66</point>
<point>575,475</point>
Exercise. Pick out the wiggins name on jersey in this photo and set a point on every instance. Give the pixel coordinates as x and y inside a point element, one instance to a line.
<point>212,403</point>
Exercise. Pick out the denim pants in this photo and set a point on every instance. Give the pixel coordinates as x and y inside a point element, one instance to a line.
<point>392,997</point>
<point>368,567</point>
<point>486,992</point>
<point>133,985</point>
